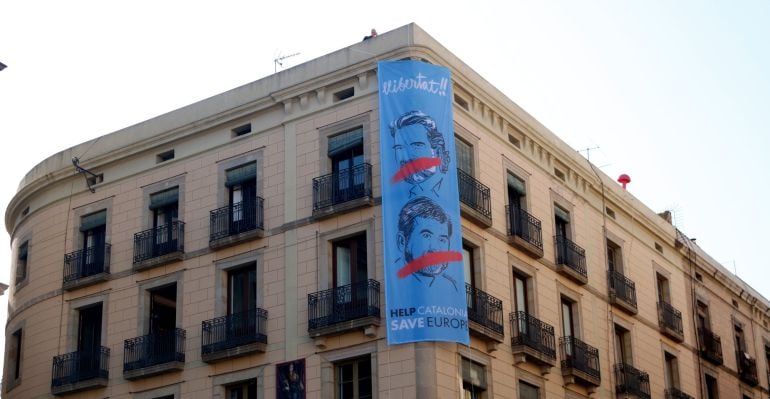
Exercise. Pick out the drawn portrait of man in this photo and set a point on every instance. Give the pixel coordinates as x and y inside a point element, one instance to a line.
<point>420,152</point>
<point>424,237</point>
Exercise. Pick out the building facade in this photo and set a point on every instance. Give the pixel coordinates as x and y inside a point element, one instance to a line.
<point>233,249</point>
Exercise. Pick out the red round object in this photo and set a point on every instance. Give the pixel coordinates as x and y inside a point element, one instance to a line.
<point>624,179</point>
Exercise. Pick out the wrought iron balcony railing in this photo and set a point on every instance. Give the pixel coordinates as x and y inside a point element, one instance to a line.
<point>670,318</point>
<point>710,346</point>
<point>159,241</point>
<point>75,367</point>
<point>237,218</point>
<point>474,194</point>
<point>629,380</point>
<point>578,355</point>
<point>571,255</point>
<point>622,288</point>
<point>227,332</point>
<point>342,186</point>
<point>484,309</point>
<point>747,368</point>
<point>534,334</point>
<point>343,304</point>
<point>86,262</point>
<point>525,226</point>
<point>674,393</point>
<point>154,349</point>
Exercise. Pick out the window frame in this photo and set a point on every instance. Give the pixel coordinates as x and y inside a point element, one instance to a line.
<point>22,263</point>
<point>356,381</point>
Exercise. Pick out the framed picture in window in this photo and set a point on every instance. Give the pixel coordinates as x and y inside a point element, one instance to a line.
<point>290,380</point>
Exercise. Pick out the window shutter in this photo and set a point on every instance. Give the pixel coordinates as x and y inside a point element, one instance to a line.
<point>241,174</point>
<point>561,214</point>
<point>93,220</point>
<point>464,157</point>
<point>516,184</point>
<point>164,198</point>
<point>345,141</point>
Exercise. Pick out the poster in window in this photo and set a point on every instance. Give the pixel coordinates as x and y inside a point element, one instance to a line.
<point>290,380</point>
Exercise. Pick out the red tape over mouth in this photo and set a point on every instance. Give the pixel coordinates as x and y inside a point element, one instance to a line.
<point>417,165</point>
<point>429,259</point>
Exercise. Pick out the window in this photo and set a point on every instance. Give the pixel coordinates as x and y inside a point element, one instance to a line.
<point>469,267</point>
<point>520,293</point>
<point>241,130</point>
<point>14,360</point>
<point>90,335</point>
<point>94,180</point>
<point>346,152</point>
<point>243,390</point>
<point>513,140</point>
<point>349,261</point>
<point>528,391</point>
<point>658,247</point>
<point>353,378</point>
<point>164,156</point>
<point>712,390</point>
<point>21,262</point>
<point>241,183</point>
<point>623,346</point>
<point>740,340</point>
<point>614,257</point>
<point>344,94</point>
<point>664,292</point>
<point>562,222</point>
<point>461,102</point>
<point>517,192</point>
<point>559,174</point>
<point>672,370</point>
<point>163,312</point>
<point>610,212</point>
<point>165,211</point>
<point>568,317</point>
<point>474,379</point>
<point>464,156</point>
<point>702,313</point>
<point>242,289</point>
<point>93,235</point>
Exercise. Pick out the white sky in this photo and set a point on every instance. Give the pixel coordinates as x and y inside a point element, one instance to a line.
<point>675,94</point>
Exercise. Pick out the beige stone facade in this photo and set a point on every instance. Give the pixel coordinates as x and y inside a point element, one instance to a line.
<point>149,290</point>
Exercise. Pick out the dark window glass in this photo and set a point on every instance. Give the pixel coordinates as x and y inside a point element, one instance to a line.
<point>354,379</point>
<point>528,391</point>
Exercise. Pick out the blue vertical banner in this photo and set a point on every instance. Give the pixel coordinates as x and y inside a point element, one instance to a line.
<point>422,237</point>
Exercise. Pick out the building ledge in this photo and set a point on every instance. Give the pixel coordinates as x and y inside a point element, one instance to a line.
<point>485,333</point>
<point>344,207</point>
<point>363,323</point>
<point>475,216</point>
<point>92,383</point>
<point>672,333</point>
<point>237,238</point>
<point>619,302</point>
<point>523,353</point>
<point>574,376</point>
<point>231,353</point>
<point>85,281</point>
<point>153,370</point>
<point>158,261</point>
<point>572,274</point>
<point>525,246</point>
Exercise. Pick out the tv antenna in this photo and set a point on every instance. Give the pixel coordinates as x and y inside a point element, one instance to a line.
<point>588,152</point>
<point>279,61</point>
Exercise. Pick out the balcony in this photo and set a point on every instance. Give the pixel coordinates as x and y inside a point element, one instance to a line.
<point>233,224</point>
<point>340,309</point>
<point>234,335</point>
<point>153,354</point>
<point>710,346</point>
<point>485,314</point>
<point>86,267</point>
<point>475,200</point>
<point>158,246</point>
<point>747,368</point>
<point>670,321</point>
<point>342,191</point>
<point>631,383</point>
<point>580,362</point>
<point>79,371</point>
<point>674,393</point>
<point>524,231</point>
<point>622,291</point>
<point>570,259</point>
<point>532,340</point>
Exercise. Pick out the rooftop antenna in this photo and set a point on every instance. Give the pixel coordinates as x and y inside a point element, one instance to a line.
<point>588,152</point>
<point>80,169</point>
<point>278,61</point>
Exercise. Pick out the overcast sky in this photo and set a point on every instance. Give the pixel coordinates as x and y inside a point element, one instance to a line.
<point>675,94</point>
